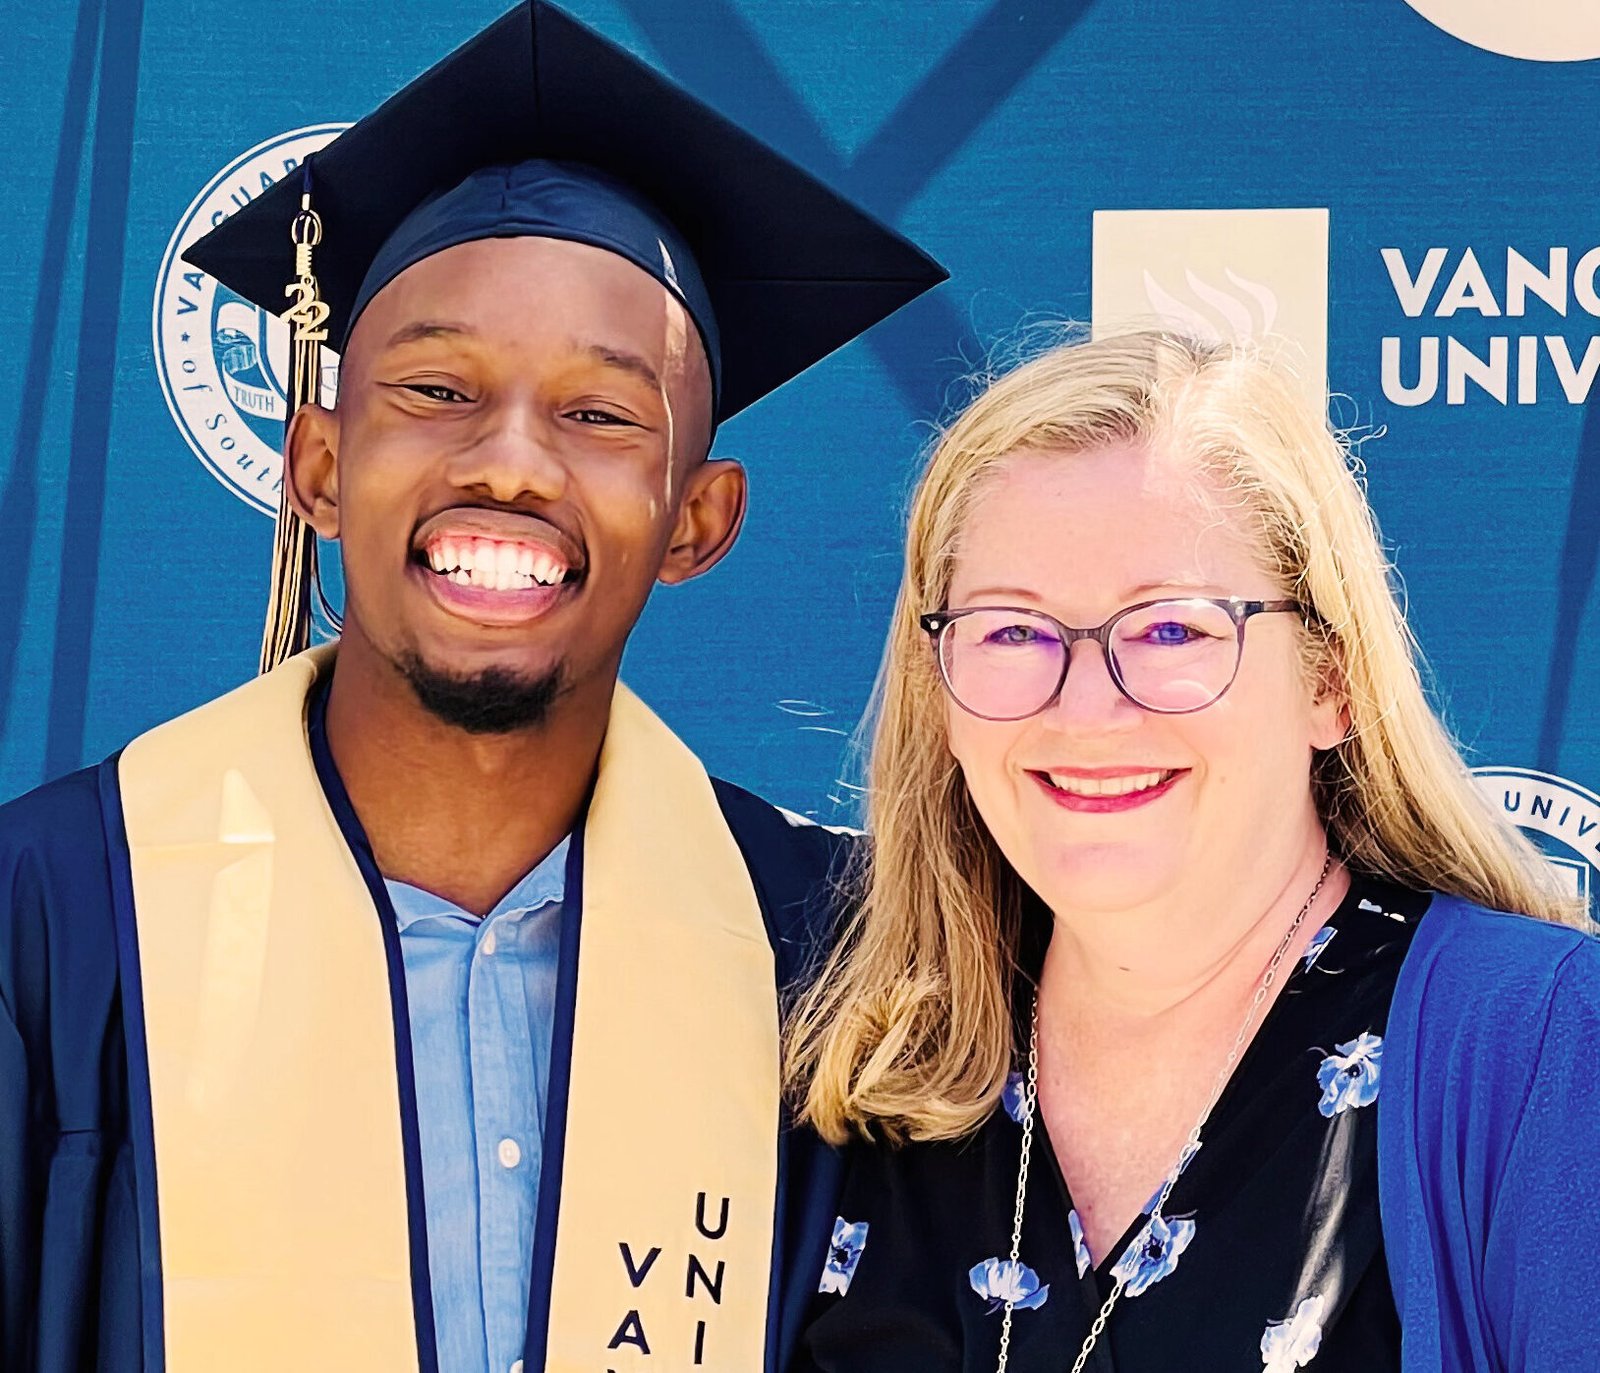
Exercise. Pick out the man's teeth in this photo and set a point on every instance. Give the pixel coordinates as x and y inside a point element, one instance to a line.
<point>494,566</point>
<point>1107,786</point>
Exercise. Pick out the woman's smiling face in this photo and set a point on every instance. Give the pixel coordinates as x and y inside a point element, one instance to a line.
<point>1081,535</point>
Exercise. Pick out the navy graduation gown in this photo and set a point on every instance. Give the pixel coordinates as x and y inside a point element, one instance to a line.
<point>79,1273</point>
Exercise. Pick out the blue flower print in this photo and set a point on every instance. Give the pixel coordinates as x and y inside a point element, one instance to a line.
<point>1291,1344</point>
<point>1153,1254</point>
<point>1349,1077</point>
<point>1319,941</point>
<point>1015,1096</point>
<point>1080,1247</point>
<point>1000,1281</point>
<point>849,1239</point>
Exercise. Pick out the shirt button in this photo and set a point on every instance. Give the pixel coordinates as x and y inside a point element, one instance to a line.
<point>517,1367</point>
<point>510,1154</point>
<point>488,944</point>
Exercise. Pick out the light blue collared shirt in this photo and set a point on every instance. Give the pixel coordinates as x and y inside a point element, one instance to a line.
<point>481,996</point>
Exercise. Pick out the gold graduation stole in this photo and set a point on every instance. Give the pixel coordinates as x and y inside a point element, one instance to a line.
<point>284,1239</point>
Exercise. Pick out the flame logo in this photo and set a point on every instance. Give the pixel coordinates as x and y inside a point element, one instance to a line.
<point>1247,312</point>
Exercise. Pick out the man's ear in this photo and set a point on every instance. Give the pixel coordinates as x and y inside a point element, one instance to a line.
<point>311,468</point>
<point>709,520</point>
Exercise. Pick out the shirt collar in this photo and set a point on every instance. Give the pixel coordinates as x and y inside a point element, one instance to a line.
<point>545,883</point>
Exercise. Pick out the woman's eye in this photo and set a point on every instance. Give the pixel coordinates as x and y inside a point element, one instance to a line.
<point>1170,632</point>
<point>1014,634</point>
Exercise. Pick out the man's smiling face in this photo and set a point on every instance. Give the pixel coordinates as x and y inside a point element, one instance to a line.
<point>515,459</point>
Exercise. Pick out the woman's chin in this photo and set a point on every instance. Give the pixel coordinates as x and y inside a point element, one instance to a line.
<point>1107,878</point>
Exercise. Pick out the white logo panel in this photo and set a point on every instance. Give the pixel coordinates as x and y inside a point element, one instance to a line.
<point>1217,274</point>
<point>223,361</point>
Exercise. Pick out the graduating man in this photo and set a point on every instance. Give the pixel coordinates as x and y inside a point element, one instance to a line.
<point>415,1006</point>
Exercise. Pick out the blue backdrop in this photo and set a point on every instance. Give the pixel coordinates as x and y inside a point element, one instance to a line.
<point>990,131</point>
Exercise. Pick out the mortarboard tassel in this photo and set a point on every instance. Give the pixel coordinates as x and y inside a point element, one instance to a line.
<point>294,554</point>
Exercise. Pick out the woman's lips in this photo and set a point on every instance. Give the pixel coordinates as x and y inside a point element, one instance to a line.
<point>1103,790</point>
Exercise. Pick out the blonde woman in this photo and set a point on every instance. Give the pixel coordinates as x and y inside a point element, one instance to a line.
<point>1177,1029</point>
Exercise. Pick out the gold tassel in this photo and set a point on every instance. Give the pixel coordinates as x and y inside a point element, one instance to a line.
<point>294,553</point>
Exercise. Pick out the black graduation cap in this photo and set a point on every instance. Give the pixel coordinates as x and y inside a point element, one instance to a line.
<point>791,270</point>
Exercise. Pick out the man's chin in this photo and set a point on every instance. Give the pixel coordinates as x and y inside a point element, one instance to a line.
<point>491,700</point>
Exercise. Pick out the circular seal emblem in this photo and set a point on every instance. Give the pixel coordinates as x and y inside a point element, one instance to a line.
<point>1561,817</point>
<point>223,361</point>
<point>1537,30</point>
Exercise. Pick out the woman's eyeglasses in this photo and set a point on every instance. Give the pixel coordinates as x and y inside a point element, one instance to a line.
<point>1171,657</point>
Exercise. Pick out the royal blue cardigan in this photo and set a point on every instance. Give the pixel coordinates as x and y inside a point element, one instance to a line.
<point>1489,1144</point>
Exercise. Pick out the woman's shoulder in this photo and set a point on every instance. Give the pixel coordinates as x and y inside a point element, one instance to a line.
<point>1494,996</point>
<point>1472,960</point>
<point>1493,1036</point>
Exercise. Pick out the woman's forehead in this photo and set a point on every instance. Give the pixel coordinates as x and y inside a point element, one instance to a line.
<point>1109,471</point>
<point>1118,516</point>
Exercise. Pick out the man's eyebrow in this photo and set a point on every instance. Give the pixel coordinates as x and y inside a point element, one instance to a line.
<point>426,329</point>
<point>624,361</point>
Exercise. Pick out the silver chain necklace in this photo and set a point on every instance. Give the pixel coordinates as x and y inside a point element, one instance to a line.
<point>1030,1097</point>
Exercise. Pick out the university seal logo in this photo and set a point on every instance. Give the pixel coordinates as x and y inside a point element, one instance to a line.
<point>1561,817</point>
<point>221,360</point>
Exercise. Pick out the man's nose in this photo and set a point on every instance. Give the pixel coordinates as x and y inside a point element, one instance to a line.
<point>514,455</point>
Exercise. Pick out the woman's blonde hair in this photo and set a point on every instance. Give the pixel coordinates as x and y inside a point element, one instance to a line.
<point>908,1029</point>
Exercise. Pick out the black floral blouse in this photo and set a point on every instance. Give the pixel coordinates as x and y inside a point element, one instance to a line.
<point>1268,1255</point>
